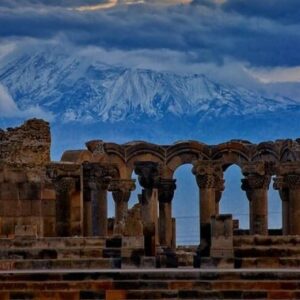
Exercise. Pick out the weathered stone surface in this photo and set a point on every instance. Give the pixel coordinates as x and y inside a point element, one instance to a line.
<point>27,144</point>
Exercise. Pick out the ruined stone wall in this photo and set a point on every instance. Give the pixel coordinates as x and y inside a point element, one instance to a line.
<point>26,198</point>
<point>27,144</point>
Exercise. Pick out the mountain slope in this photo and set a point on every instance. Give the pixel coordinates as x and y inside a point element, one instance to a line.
<point>74,88</point>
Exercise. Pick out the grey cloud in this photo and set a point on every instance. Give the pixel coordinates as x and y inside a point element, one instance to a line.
<point>213,33</point>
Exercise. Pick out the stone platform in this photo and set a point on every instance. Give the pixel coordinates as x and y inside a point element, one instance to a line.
<point>150,284</point>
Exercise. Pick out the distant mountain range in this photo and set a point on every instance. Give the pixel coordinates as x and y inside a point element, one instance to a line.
<point>74,88</point>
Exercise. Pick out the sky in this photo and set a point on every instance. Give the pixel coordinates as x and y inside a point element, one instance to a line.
<point>244,42</point>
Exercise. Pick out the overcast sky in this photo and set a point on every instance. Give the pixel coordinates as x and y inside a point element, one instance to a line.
<point>241,40</point>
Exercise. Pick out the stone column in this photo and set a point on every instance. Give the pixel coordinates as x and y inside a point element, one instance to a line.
<point>219,191</point>
<point>96,181</point>
<point>148,175</point>
<point>166,188</point>
<point>280,185</point>
<point>293,183</point>
<point>64,187</point>
<point>121,190</point>
<point>208,175</point>
<point>256,187</point>
<point>66,180</point>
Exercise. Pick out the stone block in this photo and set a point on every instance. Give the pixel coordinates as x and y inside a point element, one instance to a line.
<point>133,241</point>
<point>26,230</point>
<point>49,226</point>
<point>8,226</point>
<point>76,228</point>
<point>48,194</point>
<point>29,191</point>
<point>9,191</point>
<point>115,295</point>
<point>10,208</point>
<point>75,214</point>
<point>1,176</point>
<point>25,208</point>
<point>222,236</point>
<point>148,262</point>
<point>48,208</point>
<point>15,175</point>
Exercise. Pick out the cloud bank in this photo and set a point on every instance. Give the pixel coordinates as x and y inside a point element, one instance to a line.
<point>253,35</point>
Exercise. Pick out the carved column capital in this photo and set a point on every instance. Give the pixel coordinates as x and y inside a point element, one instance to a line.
<point>209,174</point>
<point>98,176</point>
<point>292,181</point>
<point>65,184</point>
<point>255,181</point>
<point>148,173</point>
<point>123,185</point>
<point>166,188</point>
<point>121,189</point>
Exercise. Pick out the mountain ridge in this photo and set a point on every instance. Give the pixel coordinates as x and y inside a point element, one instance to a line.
<point>74,88</point>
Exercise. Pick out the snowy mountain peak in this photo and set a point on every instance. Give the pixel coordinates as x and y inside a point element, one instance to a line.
<point>74,88</point>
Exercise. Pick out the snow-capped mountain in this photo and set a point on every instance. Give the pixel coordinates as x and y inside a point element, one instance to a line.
<point>76,88</point>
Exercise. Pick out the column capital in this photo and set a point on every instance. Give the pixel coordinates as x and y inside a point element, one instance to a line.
<point>292,181</point>
<point>121,189</point>
<point>65,184</point>
<point>98,176</point>
<point>256,167</point>
<point>255,181</point>
<point>166,188</point>
<point>209,174</point>
<point>148,173</point>
<point>122,185</point>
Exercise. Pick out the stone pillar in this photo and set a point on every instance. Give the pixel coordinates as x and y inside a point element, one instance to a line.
<point>96,179</point>
<point>219,191</point>
<point>280,185</point>
<point>293,183</point>
<point>208,175</point>
<point>256,187</point>
<point>166,188</point>
<point>148,175</point>
<point>64,187</point>
<point>66,180</point>
<point>121,190</point>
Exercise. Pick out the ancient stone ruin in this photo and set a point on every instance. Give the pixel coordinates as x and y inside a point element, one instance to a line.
<point>53,215</point>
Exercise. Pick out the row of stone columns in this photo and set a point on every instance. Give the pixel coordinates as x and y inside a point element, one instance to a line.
<point>100,178</point>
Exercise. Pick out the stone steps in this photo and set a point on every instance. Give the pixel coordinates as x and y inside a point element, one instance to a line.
<point>50,264</point>
<point>151,284</point>
<point>60,253</point>
<point>56,242</point>
<point>270,241</point>
<point>267,251</point>
<point>267,262</point>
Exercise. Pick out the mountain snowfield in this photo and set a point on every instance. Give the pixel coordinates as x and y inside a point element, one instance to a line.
<point>76,88</point>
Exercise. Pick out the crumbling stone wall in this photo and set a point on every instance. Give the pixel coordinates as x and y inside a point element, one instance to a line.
<point>27,144</point>
<point>26,198</point>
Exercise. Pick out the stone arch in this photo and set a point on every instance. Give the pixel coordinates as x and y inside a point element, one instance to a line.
<point>287,154</point>
<point>267,152</point>
<point>184,153</point>
<point>140,151</point>
<point>231,153</point>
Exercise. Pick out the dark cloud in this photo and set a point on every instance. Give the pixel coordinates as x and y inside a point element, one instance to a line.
<point>51,3</point>
<point>287,11</point>
<point>213,32</point>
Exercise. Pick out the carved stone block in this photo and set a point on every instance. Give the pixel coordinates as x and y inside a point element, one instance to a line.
<point>26,230</point>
